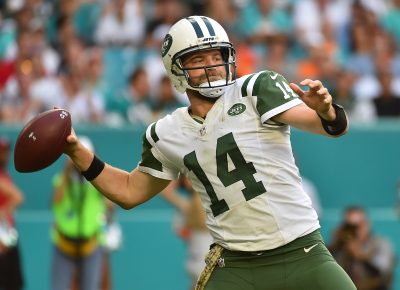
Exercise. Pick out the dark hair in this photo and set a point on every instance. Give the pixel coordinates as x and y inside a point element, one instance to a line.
<point>352,208</point>
<point>136,73</point>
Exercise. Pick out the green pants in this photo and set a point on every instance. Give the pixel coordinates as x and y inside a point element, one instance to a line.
<point>304,264</point>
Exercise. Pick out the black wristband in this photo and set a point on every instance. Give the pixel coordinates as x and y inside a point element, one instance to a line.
<point>95,168</point>
<point>337,126</point>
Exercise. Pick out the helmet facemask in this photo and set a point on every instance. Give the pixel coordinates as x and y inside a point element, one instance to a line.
<point>209,88</point>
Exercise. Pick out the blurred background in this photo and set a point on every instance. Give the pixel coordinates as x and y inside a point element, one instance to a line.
<point>101,61</point>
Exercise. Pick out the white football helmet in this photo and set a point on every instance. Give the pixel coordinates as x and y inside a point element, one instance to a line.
<point>196,33</point>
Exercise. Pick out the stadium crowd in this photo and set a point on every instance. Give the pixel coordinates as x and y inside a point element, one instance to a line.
<point>100,59</point>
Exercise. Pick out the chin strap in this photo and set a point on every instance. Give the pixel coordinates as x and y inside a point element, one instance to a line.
<point>213,89</point>
<point>212,93</point>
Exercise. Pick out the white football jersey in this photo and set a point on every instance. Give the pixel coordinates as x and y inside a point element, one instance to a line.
<point>241,163</point>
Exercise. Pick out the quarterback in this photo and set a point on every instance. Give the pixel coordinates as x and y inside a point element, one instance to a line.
<point>233,143</point>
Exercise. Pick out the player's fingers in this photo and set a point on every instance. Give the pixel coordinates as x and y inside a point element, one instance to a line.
<point>305,82</point>
<point>316,85</point>
<point>71,138</point>
<point>296,89</point>
<point>322,91</point>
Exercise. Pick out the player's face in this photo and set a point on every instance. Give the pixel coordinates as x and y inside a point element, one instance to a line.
<point>202,59</point>
<point>359,220</point>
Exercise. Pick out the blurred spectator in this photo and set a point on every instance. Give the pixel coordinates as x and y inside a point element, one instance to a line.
<point>311,16</point>
<point>94,81</point>
<point>16,101</point>
<point>122,23</point>
<point>79,219</point>
<point>357,110</point>
<point>86,18</point>
<point>247,59</point>
<point>387,104</point>
<point>11,277</point>
<point>42,49</point>
<point>317,65</point>
<point>79,74</point>
<point>7,38</point>
<point>387,59</point>
<point>279,59</point>
<point>262,19</point>
<point>391,20</point>
<point>164,13</point>
<point>135,106</point>
<point>112,242</point>
<point>24,17</point>
<point>378,7</point>
<point>73,55</point>
<point>61,24</point>
<point>140,108</point>
<point>86,106</point>
<point>104,41</point>
<point>45,90</point>
<point>363,45</point>
<point>224,12</point>
<point>367,258</point>
<point>361,58</point>
<point>167,100</point>
<point>190,225</point>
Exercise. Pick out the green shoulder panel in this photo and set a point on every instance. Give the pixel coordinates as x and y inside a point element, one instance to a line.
<point>245,85</point>
<point>148,159</point>
<point>270,89</point>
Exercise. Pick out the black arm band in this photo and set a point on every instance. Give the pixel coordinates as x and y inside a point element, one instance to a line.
<point>337,126</point>
<point>95,168</point>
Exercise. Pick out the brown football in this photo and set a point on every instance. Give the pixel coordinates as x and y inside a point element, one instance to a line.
<point>42,141</point>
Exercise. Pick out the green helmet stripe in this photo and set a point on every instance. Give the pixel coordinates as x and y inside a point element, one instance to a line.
<point>196,27</point>
<point>209,26</point>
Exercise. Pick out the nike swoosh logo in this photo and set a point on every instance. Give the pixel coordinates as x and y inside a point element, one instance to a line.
<point>274,76</point>
<point>310,248</point>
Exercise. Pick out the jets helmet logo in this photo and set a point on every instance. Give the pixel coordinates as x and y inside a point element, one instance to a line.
<point>166,44</point>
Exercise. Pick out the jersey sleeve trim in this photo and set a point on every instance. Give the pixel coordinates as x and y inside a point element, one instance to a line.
<point>153,161</point>
<point>244,85</point>
<point>247,89</point>
<point>284,107</point>
<point>148,158</point>
<point>158,174</point>
<point>153,133</point>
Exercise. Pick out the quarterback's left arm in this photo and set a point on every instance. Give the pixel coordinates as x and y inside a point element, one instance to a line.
<point>318,114</point>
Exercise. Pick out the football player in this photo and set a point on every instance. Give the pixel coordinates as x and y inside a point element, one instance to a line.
<point>233,143</point>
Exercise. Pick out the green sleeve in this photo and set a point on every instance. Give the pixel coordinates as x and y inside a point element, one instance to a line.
<point>271,92</point>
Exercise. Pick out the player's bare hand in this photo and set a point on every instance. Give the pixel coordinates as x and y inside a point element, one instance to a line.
<point>72,143</point>
<point>317,98</point>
